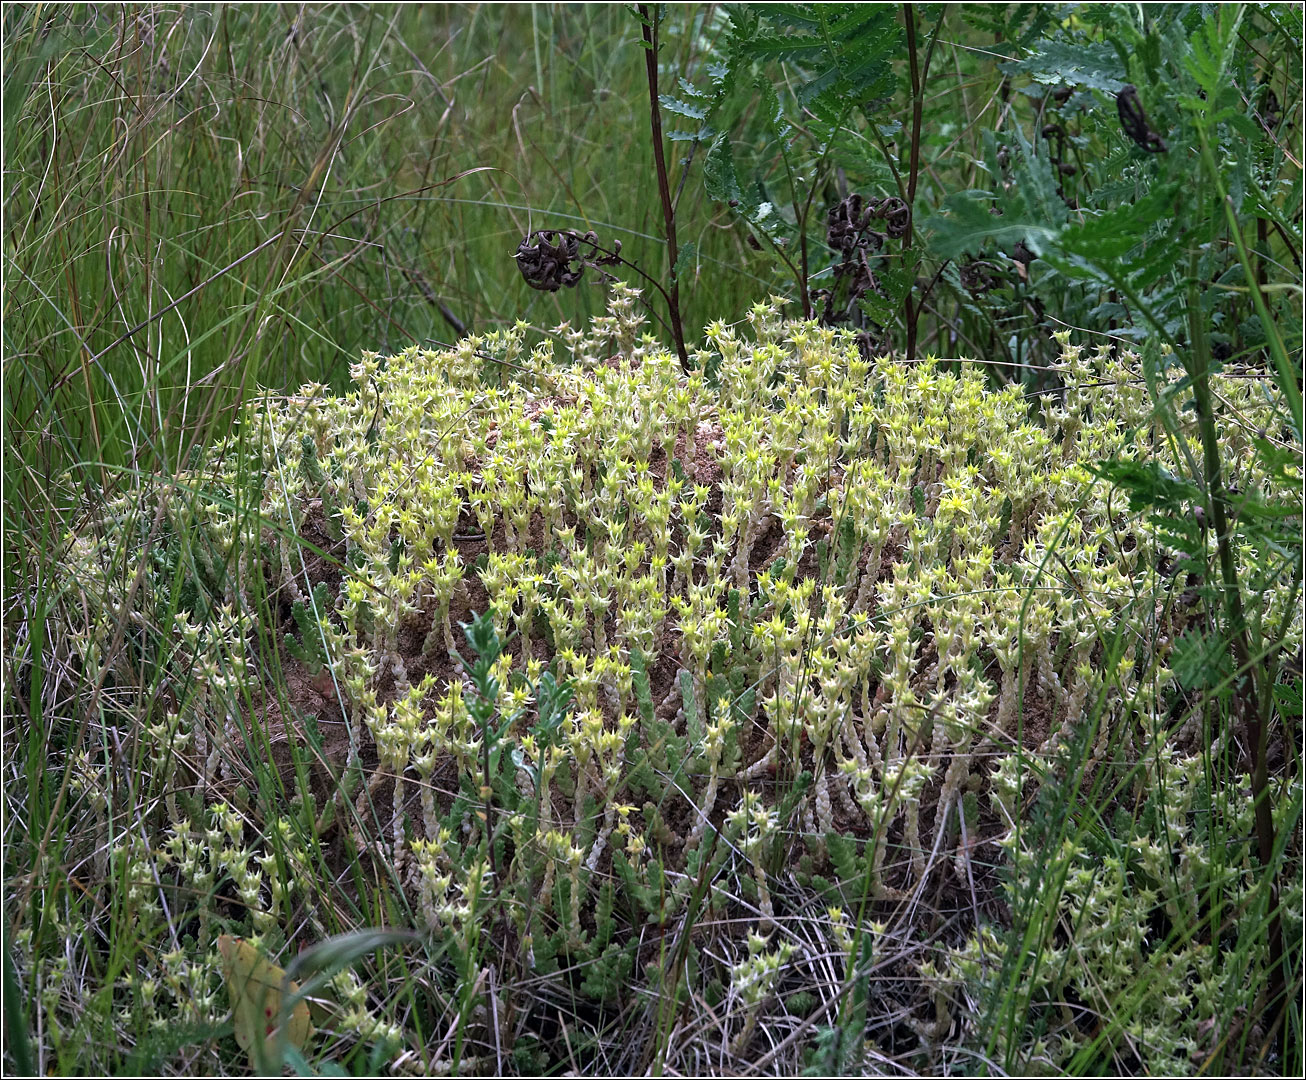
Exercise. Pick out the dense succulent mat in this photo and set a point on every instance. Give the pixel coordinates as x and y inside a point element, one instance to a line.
<point>787,687</point>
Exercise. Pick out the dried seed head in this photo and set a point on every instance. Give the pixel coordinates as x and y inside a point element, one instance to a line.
<point>977,277</point>
<point>545,260</point>
<point>896,215</point>
<point>552,259</point>
<point>850,231</point>
<point>1134,121</point>
<point>848,227</point>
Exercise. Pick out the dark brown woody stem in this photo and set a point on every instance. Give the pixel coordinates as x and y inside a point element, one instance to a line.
<point>650,23</point>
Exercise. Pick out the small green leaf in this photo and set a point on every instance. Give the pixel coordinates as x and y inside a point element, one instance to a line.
<point>685,258</point>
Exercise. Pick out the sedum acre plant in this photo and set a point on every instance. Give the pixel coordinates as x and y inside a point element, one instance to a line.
<point>736,685</point>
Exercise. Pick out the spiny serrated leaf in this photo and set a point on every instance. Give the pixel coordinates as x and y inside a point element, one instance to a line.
<point>876,308</point>
<point>968,226</point>
<point>1112,234</point>
<point>689,88</point>
<point>1007,21</point>
<point>793,16</point>
<point>685,258</point>
<point>1211,47</point>
<point>841,48</point>
<point>895,281</point>
<point>771,110</point>
<point>1200,660</point>
<point>1149,484</point>
<point>1028,209</point>
<point>719,175</point>
<point>1076,63</point>
<point>687,109</point>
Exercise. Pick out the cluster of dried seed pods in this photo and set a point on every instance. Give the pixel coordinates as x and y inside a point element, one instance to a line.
<point>1134,121</point>
<point>553,259</point>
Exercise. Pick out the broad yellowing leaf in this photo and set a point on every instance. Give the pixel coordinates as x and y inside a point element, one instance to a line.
<point>254,987</point>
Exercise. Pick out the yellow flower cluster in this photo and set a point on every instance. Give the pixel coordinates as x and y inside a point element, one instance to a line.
<point>865,586</point>
<point>909,566</point>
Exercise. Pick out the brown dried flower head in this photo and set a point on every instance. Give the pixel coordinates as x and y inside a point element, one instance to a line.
<point>553,259</point>
<point>1134,121</point>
